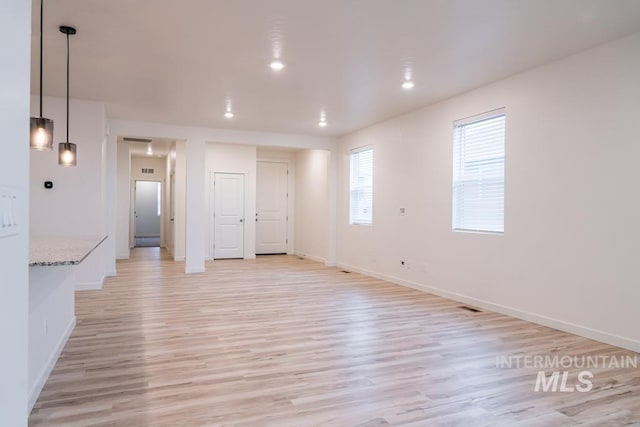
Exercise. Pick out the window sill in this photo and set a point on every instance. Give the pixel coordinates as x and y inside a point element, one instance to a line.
<point>492,233</point>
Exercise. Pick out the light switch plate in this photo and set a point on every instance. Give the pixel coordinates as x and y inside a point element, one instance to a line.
<point>9,225</point>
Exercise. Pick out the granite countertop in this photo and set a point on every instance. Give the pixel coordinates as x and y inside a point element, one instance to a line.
<point>50,251</point>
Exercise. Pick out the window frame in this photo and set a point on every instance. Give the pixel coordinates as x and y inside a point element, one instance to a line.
<point>352,220</point>
<point>458,157</point>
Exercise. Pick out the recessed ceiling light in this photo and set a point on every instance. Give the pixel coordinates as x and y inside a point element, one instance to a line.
<point>276,65</point>
<point>408,84</point>
<point>323,120</point>
<point>228,115</point>
<point>149,150</point>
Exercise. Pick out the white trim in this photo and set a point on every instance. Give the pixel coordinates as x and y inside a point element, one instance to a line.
<point>361,149</point>
<point>572,328</point>
<point>90,286</point>
<point>113,273</point>
<point>481,117</point>
<point>42,378</point>
<point>194,270</point>
<point>178,258</point>
<point>308,256</point>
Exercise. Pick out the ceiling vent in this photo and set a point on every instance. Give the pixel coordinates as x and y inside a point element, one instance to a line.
<point>127,139</point>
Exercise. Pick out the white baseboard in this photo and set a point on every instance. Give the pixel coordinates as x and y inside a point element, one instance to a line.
<point>583,331</point>
<point>178,258</point>
<point>112,273</point>
<point>90,286</point>
<point>309,256</point>
<point>51,363</point>
<point>194,270</point>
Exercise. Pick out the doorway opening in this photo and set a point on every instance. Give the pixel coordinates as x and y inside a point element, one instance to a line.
<point>147,213</point>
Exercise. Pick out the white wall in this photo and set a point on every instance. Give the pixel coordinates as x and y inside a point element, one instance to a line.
<point>569,254</point>
<point>111,201</point>
<point>123,196</point>
<point>229,158</point>
<point>159,166</point>
<point>180,219</point>
<point>76,205</point>
<point>51,320</point>
<point>195,204</point>
<point>15,19</point>
<point>311,205</point>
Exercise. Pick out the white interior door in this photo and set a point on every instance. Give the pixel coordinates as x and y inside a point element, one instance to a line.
<point>271,208</point>
<point>228,215</point>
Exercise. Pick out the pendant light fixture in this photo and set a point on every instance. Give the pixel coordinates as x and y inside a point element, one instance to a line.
<point>41,128</point>
<point>67,155</point>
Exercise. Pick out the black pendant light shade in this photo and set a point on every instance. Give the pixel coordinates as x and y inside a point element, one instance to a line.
<point>41,128</point>
<point>41,133</point>
<point>67,154</point>
<point>67,151</point>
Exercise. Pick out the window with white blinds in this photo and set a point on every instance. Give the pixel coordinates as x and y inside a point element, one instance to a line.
<point>478,173</point>
<point>361,186</point>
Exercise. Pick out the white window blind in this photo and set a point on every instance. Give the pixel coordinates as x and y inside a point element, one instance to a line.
<point>478,172</point>
<point>361,186</point>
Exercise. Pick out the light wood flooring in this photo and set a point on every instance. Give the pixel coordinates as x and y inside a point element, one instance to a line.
<point>281,341</point>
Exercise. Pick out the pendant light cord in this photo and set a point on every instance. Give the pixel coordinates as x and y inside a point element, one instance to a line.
<point>41,49</point>
<point>67,88</point>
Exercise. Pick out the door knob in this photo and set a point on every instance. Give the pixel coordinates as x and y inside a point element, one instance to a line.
<point>242,220</point>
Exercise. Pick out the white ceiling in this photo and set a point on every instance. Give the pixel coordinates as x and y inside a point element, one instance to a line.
<point>179,62</point>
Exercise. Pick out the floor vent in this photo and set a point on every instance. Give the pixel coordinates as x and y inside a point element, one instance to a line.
<point>471,309</point>
<point>345,271</point>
